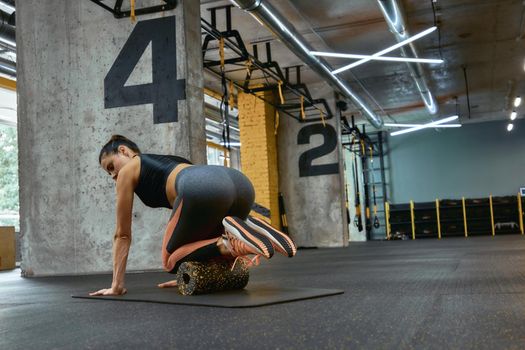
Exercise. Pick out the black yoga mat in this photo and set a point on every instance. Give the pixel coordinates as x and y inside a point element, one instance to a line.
<point>252,296</point>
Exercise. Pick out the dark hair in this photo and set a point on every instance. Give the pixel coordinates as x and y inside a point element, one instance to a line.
<point>114,142</point>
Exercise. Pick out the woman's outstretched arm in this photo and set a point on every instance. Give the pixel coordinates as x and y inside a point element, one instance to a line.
<point>122,237</point>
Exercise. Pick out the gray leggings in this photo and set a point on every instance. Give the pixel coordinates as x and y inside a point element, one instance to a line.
<point>208,194</point>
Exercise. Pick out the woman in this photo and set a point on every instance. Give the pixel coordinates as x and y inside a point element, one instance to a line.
<point>210,207</point>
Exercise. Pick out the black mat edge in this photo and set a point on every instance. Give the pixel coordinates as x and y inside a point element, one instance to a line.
<point>328,292</point>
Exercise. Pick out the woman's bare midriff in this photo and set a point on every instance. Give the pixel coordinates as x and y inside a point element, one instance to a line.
<point>171,192</point>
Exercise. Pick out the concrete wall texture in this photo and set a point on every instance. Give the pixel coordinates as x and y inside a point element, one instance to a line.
<point>473,161</point>
<point>65,49</point>
<point>314,204</point>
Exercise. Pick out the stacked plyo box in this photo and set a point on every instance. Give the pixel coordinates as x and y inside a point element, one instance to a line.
<point>7,247</point>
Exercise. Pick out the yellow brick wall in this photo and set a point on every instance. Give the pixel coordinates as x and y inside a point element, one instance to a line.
<point>259,150</point>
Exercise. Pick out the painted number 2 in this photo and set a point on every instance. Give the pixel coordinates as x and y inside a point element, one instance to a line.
<point>329,144</point>
<point>165,90</point>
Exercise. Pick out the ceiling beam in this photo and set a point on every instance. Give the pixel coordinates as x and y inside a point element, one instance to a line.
<point>267,15</point>
<point>7,84</point>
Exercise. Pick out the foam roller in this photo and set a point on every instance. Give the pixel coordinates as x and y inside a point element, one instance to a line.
<point>210,277</point>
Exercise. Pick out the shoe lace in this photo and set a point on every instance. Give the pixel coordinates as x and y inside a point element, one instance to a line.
<point>249,262</point>
<point>240,250</point>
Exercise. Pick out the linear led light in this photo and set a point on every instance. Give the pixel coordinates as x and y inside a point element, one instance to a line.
<point>233,144</point>
<point>381,58</point>
<point>425,126</point>
<point>7,8</point>
<point>414,125</point>
<point>513,115</point>
<point>517,101</point>
<point>510,127</point>
<point>387,50</point>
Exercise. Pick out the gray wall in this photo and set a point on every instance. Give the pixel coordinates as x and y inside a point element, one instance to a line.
<point>473,161</point>
<point>65,49</point>
<point>314,204</point>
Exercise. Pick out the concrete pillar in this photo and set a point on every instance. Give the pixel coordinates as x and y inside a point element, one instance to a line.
<point>74,92</point>
<point>259,151</point>
<point>311,177</point>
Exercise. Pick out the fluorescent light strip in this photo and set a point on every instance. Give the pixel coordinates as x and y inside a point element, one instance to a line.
<point>374,58</point>
<point>232,144</point>
<point>385,51</point>
<point>425,126</point>
<point>414,125</point>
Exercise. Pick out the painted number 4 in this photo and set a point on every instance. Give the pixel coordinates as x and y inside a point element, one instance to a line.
<point>165,90</point>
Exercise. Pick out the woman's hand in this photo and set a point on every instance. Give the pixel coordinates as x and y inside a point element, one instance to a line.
<point>169,284</point>
<point>110,291</point>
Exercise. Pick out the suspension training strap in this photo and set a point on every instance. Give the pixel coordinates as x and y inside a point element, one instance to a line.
<point>322,117</point>
<point>357,220</point>
<point>221,52</point>
<point>224,99</point>
<point>376,220</point>
<point>302,107</point>
<point>279,86</point>
<point>231,101</point>
<point>132,11</point>
<point>248,66</point>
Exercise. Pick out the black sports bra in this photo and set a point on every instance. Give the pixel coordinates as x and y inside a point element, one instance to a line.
<point>154,172</point>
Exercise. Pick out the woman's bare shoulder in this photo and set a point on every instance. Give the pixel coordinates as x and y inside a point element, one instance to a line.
<point>131,171</point>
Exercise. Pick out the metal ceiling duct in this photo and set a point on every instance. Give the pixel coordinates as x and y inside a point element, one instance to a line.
<point>7,67</point>
<point>7,31</point>
<point>11,3</point>
<point>265,13</point>
<point>395,18</point>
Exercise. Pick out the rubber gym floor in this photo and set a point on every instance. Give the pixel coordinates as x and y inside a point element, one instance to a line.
<point>455,293</point>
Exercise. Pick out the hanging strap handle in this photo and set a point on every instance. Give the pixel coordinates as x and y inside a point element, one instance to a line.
<point>302,108</point>
<point>221,51</point>
<point>132,15</point>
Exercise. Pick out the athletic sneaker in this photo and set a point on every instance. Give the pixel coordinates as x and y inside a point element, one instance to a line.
<point>281,242</point>
<point>239,250</point>
<point>255,243</point>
